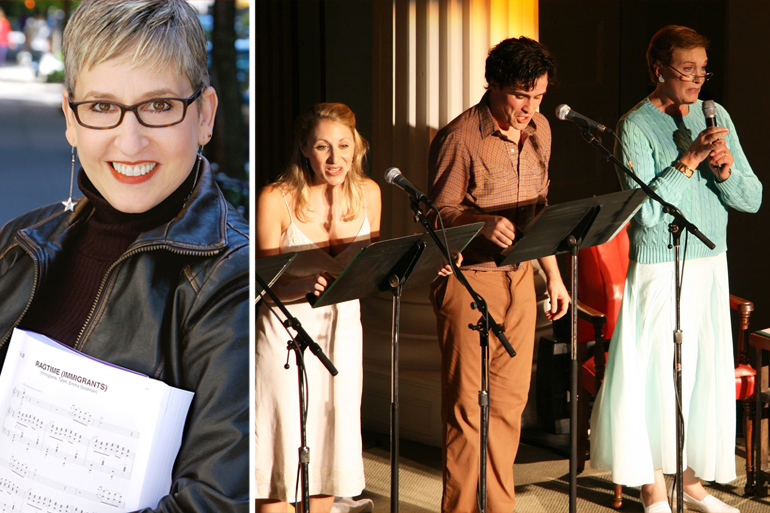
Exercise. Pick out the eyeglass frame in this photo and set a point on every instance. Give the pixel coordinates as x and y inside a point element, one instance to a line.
<point>692,76</point>
<point>134,108</point>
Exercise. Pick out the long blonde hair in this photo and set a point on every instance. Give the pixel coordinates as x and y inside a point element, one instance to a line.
<point>299,175</point>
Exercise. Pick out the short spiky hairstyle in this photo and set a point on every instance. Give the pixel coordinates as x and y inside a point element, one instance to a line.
<point>668,39</point>
<point>165,33</point>
<point>519,62</point>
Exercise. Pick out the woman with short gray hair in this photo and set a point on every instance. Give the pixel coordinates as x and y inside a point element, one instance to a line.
<point>150,271</point>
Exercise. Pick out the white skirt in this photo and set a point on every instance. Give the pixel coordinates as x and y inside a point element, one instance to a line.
<point>334,404</point>
<point>633,430</point>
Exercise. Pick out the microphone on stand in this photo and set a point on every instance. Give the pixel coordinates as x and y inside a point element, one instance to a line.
<point>394,177</point>
<point>565,113</point>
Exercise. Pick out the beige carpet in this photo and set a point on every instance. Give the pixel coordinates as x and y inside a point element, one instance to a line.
<point>542,482</point>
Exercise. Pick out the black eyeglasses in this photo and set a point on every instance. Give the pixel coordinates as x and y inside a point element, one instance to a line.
<point>155,113</point>
<point>690,77</point>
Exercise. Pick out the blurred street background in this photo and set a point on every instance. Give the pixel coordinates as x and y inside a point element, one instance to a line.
<point>35,155</point>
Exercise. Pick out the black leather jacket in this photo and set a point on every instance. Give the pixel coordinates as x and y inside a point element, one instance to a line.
<point>175,306</point>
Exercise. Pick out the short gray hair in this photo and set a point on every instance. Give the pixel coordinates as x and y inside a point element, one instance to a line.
<point>166,33</point>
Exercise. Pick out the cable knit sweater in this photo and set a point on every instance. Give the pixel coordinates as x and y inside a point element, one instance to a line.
<point>654,141</point>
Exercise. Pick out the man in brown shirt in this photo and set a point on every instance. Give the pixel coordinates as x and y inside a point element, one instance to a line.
<point>490,165</point>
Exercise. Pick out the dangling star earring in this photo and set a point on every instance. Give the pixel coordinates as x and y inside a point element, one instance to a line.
<point>69,204</point>
<point>197,170</point>
<point>200,161</point>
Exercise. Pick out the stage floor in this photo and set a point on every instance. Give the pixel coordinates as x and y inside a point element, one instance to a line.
<point>542,482</point>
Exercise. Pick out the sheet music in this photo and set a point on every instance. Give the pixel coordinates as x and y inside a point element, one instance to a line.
<point>79,435</point>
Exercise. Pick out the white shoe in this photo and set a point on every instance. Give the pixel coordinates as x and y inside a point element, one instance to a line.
<point>658,507</point>
<point>709,504</point>
<point>348,505</point>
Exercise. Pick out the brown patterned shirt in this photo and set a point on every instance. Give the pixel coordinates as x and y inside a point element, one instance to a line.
<point>475,169</point>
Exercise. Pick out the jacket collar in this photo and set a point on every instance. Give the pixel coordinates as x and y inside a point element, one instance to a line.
<point>201,225</point>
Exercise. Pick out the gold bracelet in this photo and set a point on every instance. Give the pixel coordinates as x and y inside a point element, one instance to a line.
<point>688,171</point>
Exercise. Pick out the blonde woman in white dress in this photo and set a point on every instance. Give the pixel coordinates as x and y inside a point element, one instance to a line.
<point>325,207</point>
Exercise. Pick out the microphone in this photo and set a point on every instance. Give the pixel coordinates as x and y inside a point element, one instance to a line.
<point>710,111</point>
<point>565,113</point>
<point>394,177</point>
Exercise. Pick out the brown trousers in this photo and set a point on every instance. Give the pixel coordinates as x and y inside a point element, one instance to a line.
<point>512,302</point>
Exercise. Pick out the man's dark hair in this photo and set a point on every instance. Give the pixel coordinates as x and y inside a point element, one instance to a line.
<point>519,62</point>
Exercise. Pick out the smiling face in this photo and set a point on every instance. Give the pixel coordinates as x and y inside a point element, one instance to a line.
<point>330,148</point>
<point>690,62</point>
<point>133,166</point>
<point>514,106</point>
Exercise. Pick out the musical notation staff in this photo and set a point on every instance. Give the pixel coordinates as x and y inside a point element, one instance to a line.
<point>97,455</point>
<point>69,435</point>
<point>30,422</point>
<point>41,500</point>
<point>75,413</point>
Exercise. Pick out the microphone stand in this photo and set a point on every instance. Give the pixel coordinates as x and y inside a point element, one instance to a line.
<point>675,229</point>
<point>485,323</point>
<point>298,345</point>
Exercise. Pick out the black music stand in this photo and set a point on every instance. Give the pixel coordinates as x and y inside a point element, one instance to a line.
<point>269,269</point>
<point>272,267</point>
<point>563,228</point>
<point>391,265</point>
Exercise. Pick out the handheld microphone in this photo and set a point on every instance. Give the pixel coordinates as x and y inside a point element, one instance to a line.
<point>394,177</point>
<point>565,113</point>
<point>710,111</point>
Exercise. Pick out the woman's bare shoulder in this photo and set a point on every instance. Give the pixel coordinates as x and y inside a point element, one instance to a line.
<point>374,204</point>
<point>270,192</point>
<point>272,206</point>
<point>273,195</point>
<point>371,188</point>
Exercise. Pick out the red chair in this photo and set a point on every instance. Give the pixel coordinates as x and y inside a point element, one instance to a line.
<point>602,272</point>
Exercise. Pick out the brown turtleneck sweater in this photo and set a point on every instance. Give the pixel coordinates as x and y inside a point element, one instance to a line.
<point>64,300</point>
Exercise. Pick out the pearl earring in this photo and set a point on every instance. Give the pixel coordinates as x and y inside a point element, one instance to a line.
<point>661,79</point>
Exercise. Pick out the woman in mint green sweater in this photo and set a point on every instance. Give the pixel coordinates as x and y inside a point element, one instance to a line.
<point>703,171</point>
